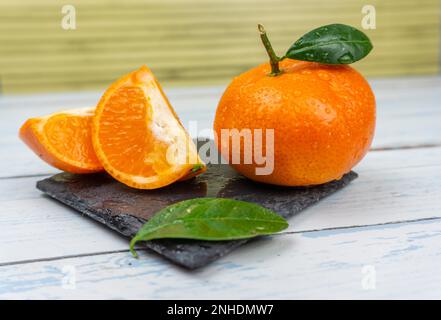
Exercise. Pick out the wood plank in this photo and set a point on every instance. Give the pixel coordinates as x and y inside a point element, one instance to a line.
<point>409,122</point>
<point>41,228</point>
<point>396,185</point>
<point>392,186</point>
<point>289,266</point>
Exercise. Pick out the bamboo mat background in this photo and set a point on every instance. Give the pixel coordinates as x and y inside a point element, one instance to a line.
<point>194,42</point>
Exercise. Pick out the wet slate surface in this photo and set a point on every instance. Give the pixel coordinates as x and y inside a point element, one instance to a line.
<point>124,209</point>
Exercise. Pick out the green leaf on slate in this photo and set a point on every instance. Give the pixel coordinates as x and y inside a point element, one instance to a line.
<point>197,167</point>
<point>331,44</point>
<point>210,219</point>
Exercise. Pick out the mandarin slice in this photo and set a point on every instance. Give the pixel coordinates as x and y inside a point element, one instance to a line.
<point>138,137</point>
<point>64,140</point>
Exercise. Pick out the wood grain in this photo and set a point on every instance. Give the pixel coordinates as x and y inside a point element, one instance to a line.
<point>412,120</point>
<point>402,261</point>
<point>396,185</point>
<point>37,236</point>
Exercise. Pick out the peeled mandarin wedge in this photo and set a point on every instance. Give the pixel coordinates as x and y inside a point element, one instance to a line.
<point>138,137</point>
<point>64,140</point>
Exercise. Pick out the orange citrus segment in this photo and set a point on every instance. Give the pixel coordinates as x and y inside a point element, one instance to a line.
<point>63,140</point>
<point>137,136</point>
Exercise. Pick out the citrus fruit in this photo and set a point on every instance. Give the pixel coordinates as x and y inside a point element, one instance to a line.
<point>63,140</point>
<point>138,137</point>
<point>323,118</point>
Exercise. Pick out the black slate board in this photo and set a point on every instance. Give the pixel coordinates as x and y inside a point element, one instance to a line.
<point>124,209</point>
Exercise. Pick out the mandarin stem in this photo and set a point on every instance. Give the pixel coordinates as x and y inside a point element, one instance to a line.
<point>274,59</point>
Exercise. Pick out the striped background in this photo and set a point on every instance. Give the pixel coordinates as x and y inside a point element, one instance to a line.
<point>194,42</point>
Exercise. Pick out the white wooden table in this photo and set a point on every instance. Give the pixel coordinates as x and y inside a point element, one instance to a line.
<point>378,238</point>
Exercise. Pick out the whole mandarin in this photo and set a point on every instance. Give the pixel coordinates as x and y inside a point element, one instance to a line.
<point>323,118</point>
